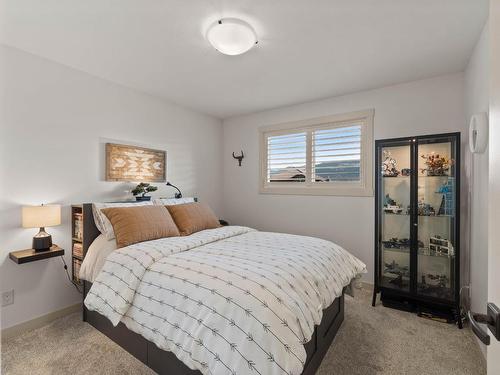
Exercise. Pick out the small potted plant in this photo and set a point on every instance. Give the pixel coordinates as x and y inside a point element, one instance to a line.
<point>142,189</point>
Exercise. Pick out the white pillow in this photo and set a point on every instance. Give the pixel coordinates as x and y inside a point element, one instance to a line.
<point>96,255</point>
<point>172,201</point>
<point>101,221</point>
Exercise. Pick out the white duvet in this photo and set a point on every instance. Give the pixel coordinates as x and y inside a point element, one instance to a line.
<point>230,300</point>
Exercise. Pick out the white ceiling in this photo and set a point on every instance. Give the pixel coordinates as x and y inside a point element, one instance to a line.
<point>308,49</point>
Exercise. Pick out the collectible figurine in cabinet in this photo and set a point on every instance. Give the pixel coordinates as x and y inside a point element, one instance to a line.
<point>436,165</point>
<point>389,164</point>
<point>425,209</point>
<point>391,206</point>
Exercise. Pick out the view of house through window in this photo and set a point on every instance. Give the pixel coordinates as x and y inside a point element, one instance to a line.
<point>330,154</point>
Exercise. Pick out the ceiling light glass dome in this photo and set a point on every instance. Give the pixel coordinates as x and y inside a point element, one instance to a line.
<point>231,36</point>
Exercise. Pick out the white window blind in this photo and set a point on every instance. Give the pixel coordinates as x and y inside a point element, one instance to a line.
<point>336,154</point>
<point>326,156</point>
<point>286,157</point>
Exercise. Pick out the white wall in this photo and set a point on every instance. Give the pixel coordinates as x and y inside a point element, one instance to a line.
<point>416,108</point>
<point>477,100</point>
<point>54,123</point>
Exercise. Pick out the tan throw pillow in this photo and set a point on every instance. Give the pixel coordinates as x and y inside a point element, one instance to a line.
<point>101,221</point>
<point>137,224</point>
<point>193,217</point>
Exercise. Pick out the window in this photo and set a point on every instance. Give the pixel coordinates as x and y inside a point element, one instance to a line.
<point>325,156</point>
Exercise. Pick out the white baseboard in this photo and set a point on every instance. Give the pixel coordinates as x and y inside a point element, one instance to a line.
<point>39,322</point>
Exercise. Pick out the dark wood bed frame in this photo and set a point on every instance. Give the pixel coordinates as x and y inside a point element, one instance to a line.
<point>164,362</point>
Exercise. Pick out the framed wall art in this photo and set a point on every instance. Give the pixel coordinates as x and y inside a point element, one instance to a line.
<point>134,163</point>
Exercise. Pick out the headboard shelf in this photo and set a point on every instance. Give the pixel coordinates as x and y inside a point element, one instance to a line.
<point>83,233</point>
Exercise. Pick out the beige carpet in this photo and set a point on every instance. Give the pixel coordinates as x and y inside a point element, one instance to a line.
<point>371,341</point>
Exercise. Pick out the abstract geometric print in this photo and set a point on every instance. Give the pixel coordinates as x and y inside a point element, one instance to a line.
<point>133,163</point>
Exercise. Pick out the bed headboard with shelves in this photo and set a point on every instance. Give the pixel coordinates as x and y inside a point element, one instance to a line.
<point>84,232</point>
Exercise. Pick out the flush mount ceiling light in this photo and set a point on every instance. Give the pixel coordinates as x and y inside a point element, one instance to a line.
<point>231,36</point>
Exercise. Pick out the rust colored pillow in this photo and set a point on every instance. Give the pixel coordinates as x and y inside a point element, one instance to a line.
<point>137,224</point>
<point>193,217</point>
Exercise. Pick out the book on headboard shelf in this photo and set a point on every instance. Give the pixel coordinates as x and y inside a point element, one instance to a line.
<point>76,270</point>
<point>78,250</point>
<point>78,225</point>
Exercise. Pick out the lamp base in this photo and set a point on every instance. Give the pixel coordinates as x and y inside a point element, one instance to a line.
<point>42,241</point>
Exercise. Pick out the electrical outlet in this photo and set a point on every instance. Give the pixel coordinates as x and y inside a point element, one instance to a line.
<point>8,298</point>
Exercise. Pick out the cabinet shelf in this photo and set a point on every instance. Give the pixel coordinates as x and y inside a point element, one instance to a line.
<point>393,214</point>
<point>394,276</point>
<point>419,176</point>
<point>430,253</point>
<point>448,177</point>
<point>448,216</point>
<point>389,281</point>
<point>422,251</point>
<point>402,250</point>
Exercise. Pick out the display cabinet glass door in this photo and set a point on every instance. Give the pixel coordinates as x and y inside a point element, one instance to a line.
<point>436,210</point>
<point>394,215</point>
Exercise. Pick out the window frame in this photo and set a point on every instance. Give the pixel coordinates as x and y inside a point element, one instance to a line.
<point>341,188</point>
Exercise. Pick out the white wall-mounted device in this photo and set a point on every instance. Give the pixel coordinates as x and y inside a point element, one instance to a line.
<point>478,133</point>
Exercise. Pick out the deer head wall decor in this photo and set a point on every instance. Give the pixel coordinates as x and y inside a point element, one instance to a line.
<point>239,157</point>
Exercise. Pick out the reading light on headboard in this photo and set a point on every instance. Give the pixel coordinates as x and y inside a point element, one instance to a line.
<point>41,217</point>
<point>177,195</point>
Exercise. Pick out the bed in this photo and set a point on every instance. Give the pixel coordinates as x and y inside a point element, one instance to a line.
<point>226,300</point>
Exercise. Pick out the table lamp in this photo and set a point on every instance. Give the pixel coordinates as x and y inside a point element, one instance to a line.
<point>41,217</point>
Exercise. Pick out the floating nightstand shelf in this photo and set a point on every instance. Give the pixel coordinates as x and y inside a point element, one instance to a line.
<point>30,255</point>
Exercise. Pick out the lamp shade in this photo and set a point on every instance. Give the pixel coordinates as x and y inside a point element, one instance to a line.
<point>41,216</point>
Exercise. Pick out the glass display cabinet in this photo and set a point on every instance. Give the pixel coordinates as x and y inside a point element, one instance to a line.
<point>417,225</point>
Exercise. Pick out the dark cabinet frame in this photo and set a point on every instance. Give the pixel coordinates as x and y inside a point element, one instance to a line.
<point>411,300</point>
